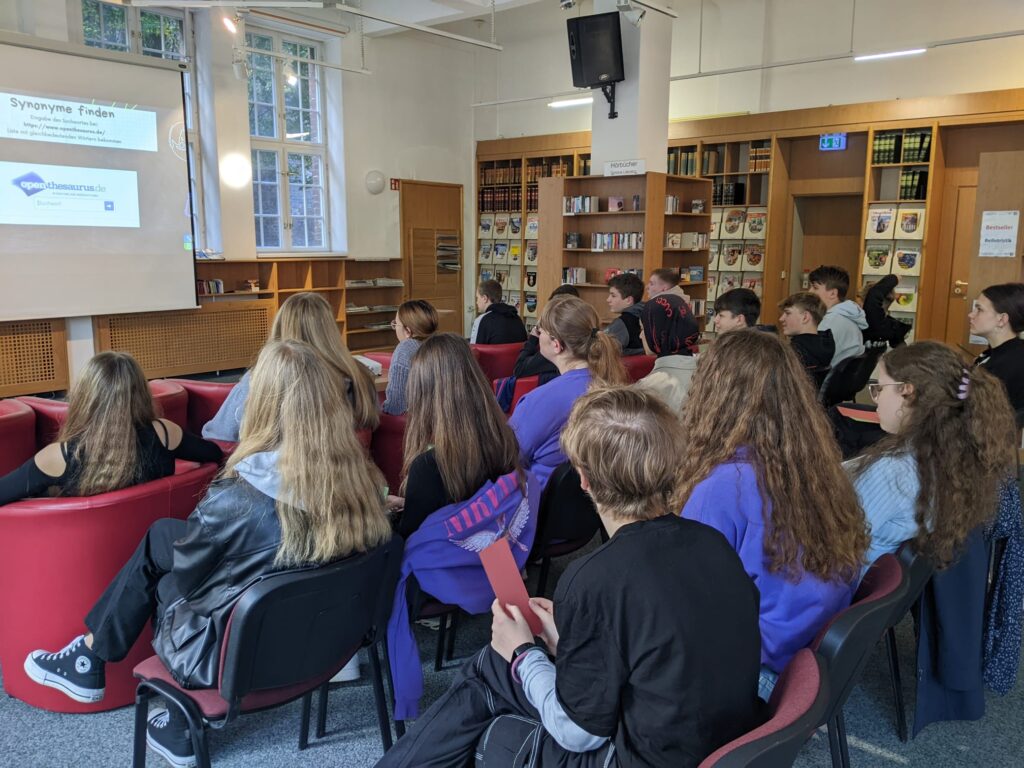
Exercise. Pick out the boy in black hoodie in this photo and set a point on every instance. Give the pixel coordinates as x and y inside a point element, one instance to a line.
<point>498,322</point>
<point>799,320</point>
<point>625,292</point>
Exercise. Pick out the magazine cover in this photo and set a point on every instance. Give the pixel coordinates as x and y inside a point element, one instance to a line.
<point>732,222</point>
<point>881,222</point>
<point>910,223</point>
<point>486,225</point>
<point>753,257</point>
<point>877,259</point>
<point>907,261</point>
<point>756,223</point>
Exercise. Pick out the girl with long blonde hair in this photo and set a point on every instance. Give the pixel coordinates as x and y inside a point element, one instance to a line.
<point>570,337</point>
<point>763,468</point>
<point>306,317</point>
<point>456,437</point>
<point>112,437</point>
<point>297,491</point>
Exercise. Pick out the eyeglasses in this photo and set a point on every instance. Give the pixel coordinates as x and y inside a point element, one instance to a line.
<point>875,389</point>
<point>394,324</point>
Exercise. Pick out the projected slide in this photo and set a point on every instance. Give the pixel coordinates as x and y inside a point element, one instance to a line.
<point>66,196</point>
<point>34,118</point>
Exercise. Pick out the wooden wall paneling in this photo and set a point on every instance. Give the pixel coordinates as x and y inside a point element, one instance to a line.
<point>550,242</point>
<point>778,243</point>
<point>933,285</point>
<point>33,357</point>
<point>653,225</point>
<point>214,337</point>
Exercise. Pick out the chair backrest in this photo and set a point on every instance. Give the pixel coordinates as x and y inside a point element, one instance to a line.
<point>638,366</point>
<point>497,360</point>
<point>847,640</point>
<point>796,707</point>
<point>204,400</point>
<point>17,434</point>
<point>294,626</point>
<point>850,376</point>
<point>566,511</point>
<point>387,448</point>
<point>919,570</point>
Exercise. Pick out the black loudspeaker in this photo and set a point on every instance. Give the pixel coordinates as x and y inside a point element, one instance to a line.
<point>595,50</point>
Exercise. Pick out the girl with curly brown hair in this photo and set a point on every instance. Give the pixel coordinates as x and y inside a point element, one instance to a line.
<point>935,477</point>
<point>763,468</point>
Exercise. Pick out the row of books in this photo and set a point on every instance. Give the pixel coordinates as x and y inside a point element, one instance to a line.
<point>913,184</point>
<point>682,162</point>
<point>508,277</point>
<point>545,168</point>
<point>376,282</point>
<point>357,309</point>
<point>691,274</point>
<point>739,223</point>
<point>887,222</point>
<point>513,174</point>
<point>499,199</point>
<point>509,174</point>
<point>888,258</point>
<point>897,147</point>
<point>578,275</point>
<point>728,192</point>
<point>674,205</point>
<point>711,163</point>
<point>720,282</point>
<point>506,252</point>
<point>576,204</point>
<point>688,241</point>
<point>736,256</point>
<point>606,241</point>
<point>502,225</point>
<point>759,160</point>
<point>210,286</point>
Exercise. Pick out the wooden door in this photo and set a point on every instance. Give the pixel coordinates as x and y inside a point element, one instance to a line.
<point>431,213</point>
<point>957,224</point>
<point>826,231</point>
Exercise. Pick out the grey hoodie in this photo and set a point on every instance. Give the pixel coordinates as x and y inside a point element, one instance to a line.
<point>847,322</point>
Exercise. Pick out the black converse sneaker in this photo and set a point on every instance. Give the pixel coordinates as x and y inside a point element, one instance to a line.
<point>74,670</point>
<point>169,737</point>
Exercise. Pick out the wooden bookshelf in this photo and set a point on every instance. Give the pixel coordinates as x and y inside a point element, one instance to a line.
<point>381,301</point>
<point>649,219</point>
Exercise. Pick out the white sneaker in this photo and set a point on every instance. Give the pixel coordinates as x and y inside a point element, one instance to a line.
<point>349,672</point>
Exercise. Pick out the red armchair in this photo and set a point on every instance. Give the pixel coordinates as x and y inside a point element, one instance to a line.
<point>638,366</point>
<point>17,434</point>
<point>57,555</point>
<point>497,360</point>
<point>204,400</point>
<point>386,449</point>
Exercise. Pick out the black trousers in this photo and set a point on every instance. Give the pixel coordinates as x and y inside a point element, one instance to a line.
<point>119,616</point>
<point>486,717</point>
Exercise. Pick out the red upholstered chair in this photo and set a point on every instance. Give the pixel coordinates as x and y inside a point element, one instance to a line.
<point>171,401</point>
<point>50,417</point>
<point>523,386</point>
<point>795,708</point>
<point>638,366</point>
<point>57,555</point>
<point>497,360</point>
<point>386,448</point>
<point>17,434</point>
<point>204,400</point>
<point>384,358</point>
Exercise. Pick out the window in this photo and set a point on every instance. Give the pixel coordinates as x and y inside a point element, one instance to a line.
<point>288,148</point>
<point>105,25</point>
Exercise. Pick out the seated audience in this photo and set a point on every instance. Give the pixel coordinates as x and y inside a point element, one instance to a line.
<point>456,437</point>
<point>530,361</point>
<point>111,439</point>
<point>762,467</point>
<point>672,333</point>
<point>643,673</point>
<point>305,317</point>
<point>998,316</point>
<point>736,309</point>
<point>298,490</point>
<point>882,327</point>
<point>625,292</point>
<point>498,322</point>
<point>414,322</point>
<point>801,315</point>
<point>569,338</point>
<point>843,317</point>
<point>665,280</point>
<point>935,476</point>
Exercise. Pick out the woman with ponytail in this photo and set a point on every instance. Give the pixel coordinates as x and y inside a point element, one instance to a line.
<point>935,477</point>
<point>569,337</point>
<point>998,317</point>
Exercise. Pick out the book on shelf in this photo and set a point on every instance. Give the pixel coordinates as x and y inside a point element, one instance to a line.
<point>759,159</point>
<point>731,256</point>
<point>917,146</point>
<point>572,239</point>
<point>906,298</point>
<point>638,203</point>
<point>581,204</point>
<point>532,226</point>
<point>729,280</point>
<point>487,273</point>
<point>907,261</point>
<point>373,366</point>
<point>755,284</point>
<point>698,306</point>
<point>712,286</point>
<point>728,192</point>
<point>508,174</point>
<point>574,275</point>
<point>716,223</point>
<point>682,162</point>
<point>697,205</point>
<point>714,250</point>
<point>486,225</point>
<point>367,283</point>
<point>693,274</point>
<point>709,163</point>
<point>383,307</point>
<point>913,184</point>
<point>501,225</point>
<point>531,252</point>
<point>355,309</point>
<point>501,275</point>
<point>531,278</point>
<point>513,299</point>
<point>484,254</point>
<point>515,225</point>
<point>530,307</point>
<point>881,222</point>
<point>672,204</point>
<point>910,223</point>
<point>215,285</point>
<point>501,251</point>
<point>885,149</point>
<point>673,240</point>
<point>755,223</point>
<point>616,241</point>
<point>693,241</point>
<point>877,259</point>
<point>616,203</point>
<point>515,252</point>
<point>732,222</point>
<point>379,325</point>
<point>753,256</point>
<point>389,282</point>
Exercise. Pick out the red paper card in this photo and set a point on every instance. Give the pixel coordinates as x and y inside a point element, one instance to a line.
<point>506,582</point>
<point>857,414</point>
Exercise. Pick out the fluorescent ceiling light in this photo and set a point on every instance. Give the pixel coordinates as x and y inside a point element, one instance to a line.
<point>571,102</point>
<point>229,23</point>
<point>890,54</point>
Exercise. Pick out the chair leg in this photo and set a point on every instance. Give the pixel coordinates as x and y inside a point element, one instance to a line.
<point>833,744</point>
<point>844,750</point>
<point>142,697</point>
<point>542,582</point>
<point>897,683</point>
<point>450,651</point>
<point>442,628</point>
<point>321,714</point>
<point>307,704</point>
<point>399,724</point>
<point>383,721</point>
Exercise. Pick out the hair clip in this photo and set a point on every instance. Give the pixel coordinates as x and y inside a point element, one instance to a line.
<point>965,386</point>
<point>593,333</point>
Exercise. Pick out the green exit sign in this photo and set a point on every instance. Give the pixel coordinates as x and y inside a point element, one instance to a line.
<point>831,142</point>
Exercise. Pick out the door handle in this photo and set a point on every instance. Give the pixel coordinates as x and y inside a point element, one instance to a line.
<point>958,287</point>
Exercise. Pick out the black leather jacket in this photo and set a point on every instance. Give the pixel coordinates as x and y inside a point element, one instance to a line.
<point>231,541</point>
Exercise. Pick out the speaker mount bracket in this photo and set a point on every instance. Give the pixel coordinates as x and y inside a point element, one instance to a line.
<point>609,94</point>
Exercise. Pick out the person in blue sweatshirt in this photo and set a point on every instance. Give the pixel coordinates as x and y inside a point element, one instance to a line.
<point>843,317</point>
<point>570,338</point>
<point>762,467</point>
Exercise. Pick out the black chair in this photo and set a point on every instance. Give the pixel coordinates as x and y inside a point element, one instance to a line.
<point>846,642</point>
<point>566,522</point>
<point>796,707</point>
<point>850,376</point>
<point>288,634</point>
